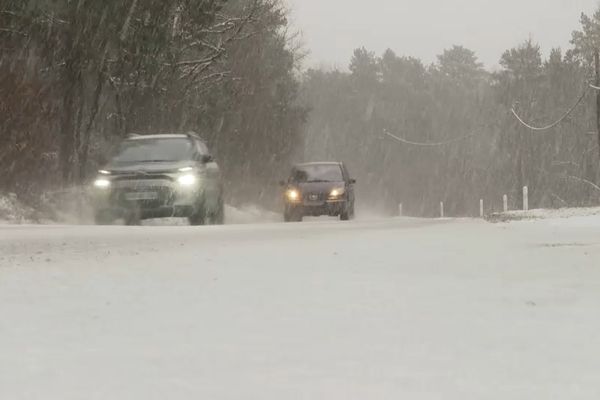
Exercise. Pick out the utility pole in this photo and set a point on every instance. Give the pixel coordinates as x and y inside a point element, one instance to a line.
<point>597,64</point>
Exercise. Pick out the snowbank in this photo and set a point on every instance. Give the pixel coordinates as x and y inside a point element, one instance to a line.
<point>544,214</point>
<point>12,211</point>
<point>250,214</point>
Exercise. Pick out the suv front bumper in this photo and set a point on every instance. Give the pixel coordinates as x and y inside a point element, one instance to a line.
<point>151,198</point>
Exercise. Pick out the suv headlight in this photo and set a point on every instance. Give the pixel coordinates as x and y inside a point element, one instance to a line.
<point>102,183</point>
<point>187,180</point>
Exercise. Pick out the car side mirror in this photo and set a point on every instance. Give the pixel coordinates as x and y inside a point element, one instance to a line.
<point>282,183</point>
<point>352,181</point>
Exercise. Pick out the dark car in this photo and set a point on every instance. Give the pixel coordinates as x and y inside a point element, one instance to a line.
<point>316,189</point>
<point>159,176</point>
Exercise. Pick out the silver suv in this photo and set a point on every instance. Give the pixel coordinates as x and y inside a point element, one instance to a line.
<point>160,176</point>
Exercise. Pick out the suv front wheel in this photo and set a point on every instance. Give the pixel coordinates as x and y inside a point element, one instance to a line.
<point>198,218</point>
<point>204,216</point>
<point>217,217</point>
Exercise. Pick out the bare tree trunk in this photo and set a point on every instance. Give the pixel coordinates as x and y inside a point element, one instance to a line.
<point>85,140</point>
<point>597,65</point>
<point>84,150</point>
<point>67,142</point>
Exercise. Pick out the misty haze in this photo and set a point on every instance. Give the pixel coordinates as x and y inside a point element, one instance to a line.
<point>282,199</point>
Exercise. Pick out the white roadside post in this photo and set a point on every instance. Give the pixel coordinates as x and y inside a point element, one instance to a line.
<point>442,209</point>
<point>525,198</point>
<point>505,201</point>
<point>481,213</point>
<point>400,210</point>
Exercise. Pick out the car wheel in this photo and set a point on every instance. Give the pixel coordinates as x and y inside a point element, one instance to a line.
<point>293,216</point>
<point>346,215</point>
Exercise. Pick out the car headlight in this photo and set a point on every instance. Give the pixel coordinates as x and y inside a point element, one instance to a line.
<point>292,195</point>
<point>102,183</point>
<point>187,180</point>
<point>337,193</point>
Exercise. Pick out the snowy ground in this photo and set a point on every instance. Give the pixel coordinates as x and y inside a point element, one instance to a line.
<point>374,309</point>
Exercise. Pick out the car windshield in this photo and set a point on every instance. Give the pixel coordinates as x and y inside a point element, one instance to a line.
<point>154,150</point>
<point>318,173</point>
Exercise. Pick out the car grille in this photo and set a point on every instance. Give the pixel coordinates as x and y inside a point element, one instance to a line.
<point>312,197</point>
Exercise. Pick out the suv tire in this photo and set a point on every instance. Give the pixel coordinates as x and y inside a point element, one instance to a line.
<point>219,216</point>
<point>198,218</point>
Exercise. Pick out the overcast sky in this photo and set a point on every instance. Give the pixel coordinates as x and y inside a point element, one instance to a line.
<point>423,28</point>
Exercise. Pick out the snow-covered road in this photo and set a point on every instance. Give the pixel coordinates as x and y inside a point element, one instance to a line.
<point>381,309</point>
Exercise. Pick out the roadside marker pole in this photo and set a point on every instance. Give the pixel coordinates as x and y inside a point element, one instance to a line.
<point>525,198</point>
<point>400,211</point>
<point>442,209</point>
<point>505,201</point>
<point>481,213</point>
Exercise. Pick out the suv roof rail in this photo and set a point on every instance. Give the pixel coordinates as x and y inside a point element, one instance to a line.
<point>193,134</point>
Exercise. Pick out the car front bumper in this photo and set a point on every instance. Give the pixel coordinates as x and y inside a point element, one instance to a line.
<point>332,208</point>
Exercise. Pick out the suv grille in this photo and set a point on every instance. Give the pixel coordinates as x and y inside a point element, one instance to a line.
<point>148,195</point>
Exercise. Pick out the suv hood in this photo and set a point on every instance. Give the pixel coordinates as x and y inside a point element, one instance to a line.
<point>148,167</point>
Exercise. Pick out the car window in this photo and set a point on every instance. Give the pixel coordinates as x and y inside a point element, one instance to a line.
<point>317,173</point>
<point>154,150</point>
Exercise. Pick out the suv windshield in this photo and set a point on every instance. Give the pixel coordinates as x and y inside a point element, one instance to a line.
<point>154,150</point>
<point>317,173</point>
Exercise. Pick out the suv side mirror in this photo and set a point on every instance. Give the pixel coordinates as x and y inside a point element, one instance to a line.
<point>352,181</point>
<point>206,158</point>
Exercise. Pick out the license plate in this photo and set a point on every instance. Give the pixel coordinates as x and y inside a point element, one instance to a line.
<point>313,197</point>
<point>135,196</point>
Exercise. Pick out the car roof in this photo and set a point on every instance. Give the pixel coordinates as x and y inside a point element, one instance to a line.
<point>332,163</point>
